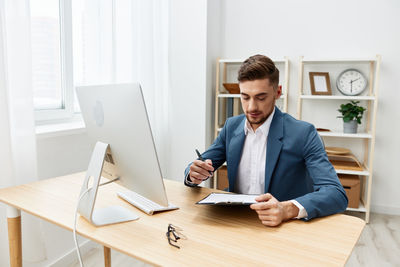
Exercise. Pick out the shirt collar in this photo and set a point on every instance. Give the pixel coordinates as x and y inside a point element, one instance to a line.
<point>264,128</point>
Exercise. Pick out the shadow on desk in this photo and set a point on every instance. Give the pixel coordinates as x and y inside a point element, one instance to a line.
<point>230,216</point>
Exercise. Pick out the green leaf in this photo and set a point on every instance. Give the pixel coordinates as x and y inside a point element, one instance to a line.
<point>351,111</point>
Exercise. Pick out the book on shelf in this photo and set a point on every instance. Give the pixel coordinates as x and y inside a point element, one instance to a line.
<point>233,107</point>
<point>237,107</point>
<point>229,107</point>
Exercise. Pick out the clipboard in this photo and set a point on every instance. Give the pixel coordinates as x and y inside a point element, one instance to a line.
<point>227,199</point>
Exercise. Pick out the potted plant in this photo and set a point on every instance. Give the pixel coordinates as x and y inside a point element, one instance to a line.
<point>352,114</point>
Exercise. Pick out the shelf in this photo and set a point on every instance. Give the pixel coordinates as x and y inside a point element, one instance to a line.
<point>241,61</point>
<point>364,173</point>
<point>361,208</point>
<point>338,97</point>
<point>229,95</point>
<point>339,60</point>
<point>370,98</point>
<point>223,95</point>
<point>346,135</point>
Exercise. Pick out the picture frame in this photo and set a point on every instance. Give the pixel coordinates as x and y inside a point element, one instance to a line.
<point>320,83</point>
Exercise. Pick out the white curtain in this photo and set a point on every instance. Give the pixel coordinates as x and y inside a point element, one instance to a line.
<point>115,41</point>
<point>120,41</point>
<point>17,133</point>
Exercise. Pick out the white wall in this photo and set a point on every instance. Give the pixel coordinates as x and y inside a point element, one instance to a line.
<point>187,54</point>
<point>344,29</point>
<point>213,52</point>
<point>63,154</point>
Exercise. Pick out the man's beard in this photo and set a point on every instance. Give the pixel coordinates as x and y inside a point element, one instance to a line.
<point>256,122</point>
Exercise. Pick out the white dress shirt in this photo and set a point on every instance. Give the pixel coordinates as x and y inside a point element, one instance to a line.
<point>251,171</point>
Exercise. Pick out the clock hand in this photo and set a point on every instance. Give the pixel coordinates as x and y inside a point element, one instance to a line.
<point>355,80</point>
<point>351,86</point>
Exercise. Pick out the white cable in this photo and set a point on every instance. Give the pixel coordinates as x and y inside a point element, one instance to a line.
<point>76,216</point>
<point>74,231</point>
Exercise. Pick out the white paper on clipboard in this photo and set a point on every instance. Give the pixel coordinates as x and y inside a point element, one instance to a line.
<point>228,199</point>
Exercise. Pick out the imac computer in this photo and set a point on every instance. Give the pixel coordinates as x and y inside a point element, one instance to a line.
<point>116,115</point>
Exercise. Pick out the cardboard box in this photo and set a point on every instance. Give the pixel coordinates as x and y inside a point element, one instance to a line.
<point>352,185</point>
<point>222,181</point>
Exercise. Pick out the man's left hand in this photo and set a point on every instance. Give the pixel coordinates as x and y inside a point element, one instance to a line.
<point>271,212</point>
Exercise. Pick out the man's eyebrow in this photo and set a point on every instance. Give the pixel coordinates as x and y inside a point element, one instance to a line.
<point>257,95</point>
<point>261,94</point>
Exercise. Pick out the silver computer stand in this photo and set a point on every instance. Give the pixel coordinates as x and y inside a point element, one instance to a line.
<point>100,216</point>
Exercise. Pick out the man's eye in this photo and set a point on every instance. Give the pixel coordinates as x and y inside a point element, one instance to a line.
<point>245,97</point>
<point>261,98</point>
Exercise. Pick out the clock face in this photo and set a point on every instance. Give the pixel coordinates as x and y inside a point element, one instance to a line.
<point>351,82</point>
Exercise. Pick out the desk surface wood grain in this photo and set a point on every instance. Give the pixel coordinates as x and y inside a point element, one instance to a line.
<point>216,235</point>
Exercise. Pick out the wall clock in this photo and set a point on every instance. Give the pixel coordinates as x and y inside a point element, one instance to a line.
<point>351,82</point>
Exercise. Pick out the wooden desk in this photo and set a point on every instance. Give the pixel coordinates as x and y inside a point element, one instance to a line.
<point>217,236</point>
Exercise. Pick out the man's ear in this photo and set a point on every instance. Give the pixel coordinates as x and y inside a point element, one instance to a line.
<point>279,91</point>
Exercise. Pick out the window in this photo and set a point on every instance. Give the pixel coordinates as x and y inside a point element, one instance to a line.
<point>74,44</point>
<point>78,43</point>
<point>51,59</point>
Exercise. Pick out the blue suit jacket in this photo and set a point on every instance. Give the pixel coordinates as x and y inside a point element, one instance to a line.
<point>297,166</point>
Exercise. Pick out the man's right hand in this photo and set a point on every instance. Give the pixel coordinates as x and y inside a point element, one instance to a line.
<point>200,171</point>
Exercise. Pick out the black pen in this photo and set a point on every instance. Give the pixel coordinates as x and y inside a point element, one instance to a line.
<point>199,155</point>
<point>201,158</point>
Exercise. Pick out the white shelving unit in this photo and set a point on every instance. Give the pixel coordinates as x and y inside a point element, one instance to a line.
<point>222,69</point>
<point>367,137</point>
<point>337,97</point>
<point>339,134</point>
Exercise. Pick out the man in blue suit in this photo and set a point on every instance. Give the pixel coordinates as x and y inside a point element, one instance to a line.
<point>272,154</point>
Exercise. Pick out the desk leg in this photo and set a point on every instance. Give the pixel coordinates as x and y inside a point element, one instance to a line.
<point>107,257</point>
<point>14,236</point>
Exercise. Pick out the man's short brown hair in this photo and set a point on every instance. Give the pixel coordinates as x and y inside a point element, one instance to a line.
<point>259,67</point>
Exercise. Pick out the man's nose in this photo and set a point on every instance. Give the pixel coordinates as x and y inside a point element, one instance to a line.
<point>252,105</point>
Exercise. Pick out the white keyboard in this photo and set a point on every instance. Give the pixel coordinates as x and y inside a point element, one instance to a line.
<point>143,203</point>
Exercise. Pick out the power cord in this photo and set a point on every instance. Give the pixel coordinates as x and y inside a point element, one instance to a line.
<point>76,216</point>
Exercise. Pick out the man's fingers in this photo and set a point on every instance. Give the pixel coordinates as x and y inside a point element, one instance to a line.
<point>207,165</point>
<point>266,217</point>
<point>200,170</point>
<point>264,197</point>
<point>268,212</point>
<point>196,177</point>
<point>264,205</point>
<point>195,180</point>
<point>269,220</point>
<point>209,162</point>
<point>271,223</point>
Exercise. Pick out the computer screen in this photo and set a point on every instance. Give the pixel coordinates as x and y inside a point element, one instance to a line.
<point>116,114</point>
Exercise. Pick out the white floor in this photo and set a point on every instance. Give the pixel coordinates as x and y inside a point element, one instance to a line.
<point>379,245</point>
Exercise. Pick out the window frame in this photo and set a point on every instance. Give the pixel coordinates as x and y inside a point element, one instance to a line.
<point>66,112</point>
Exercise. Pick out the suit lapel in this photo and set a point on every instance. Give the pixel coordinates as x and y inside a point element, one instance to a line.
<point>235,152</point>
<point>274,146</point>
